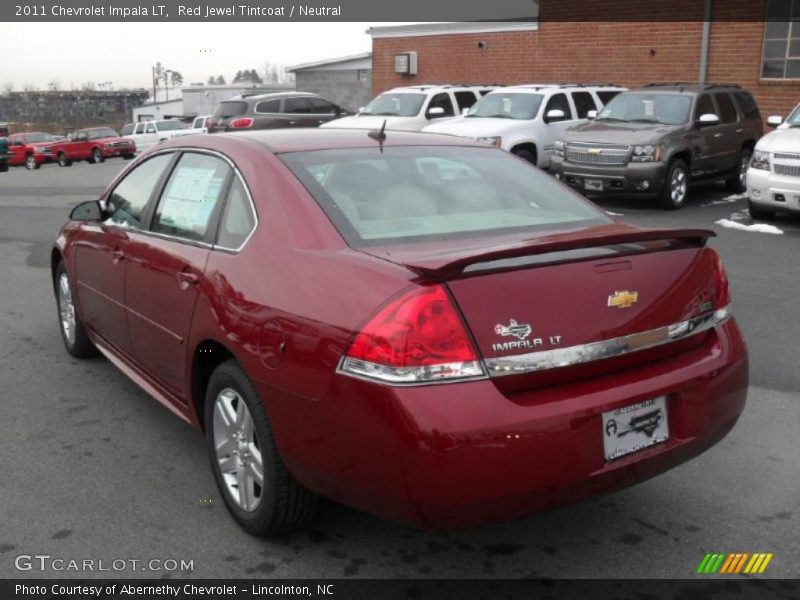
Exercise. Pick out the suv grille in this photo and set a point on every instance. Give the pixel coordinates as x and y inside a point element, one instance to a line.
<point>791,170</point>
<point>778,156</point>
<point>597,154</point>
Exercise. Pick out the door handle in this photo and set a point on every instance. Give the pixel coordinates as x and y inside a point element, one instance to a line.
<point>292,122</point>
<point>740,130</point>
<point>719,135</point>
<point>187,278</point>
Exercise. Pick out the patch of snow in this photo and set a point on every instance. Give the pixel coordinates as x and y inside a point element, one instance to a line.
<point>613,214</point>
<point>110,221</point>
<point>727,200</point>
<point>740,215</point>
<point>756,227</point>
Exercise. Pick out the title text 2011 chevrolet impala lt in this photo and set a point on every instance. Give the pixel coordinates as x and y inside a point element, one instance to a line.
<point>419,326</point>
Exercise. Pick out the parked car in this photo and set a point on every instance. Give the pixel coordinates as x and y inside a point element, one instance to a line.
<point>423,327</point>
<point>93,145</point>
<point>527,119</point>
<point>30,149</point>
<point>412,108</point>
<point>148,133</point>
<point>273,111</point>
<point>5,155</point>
<point>200,124</point>
<point>654,141</point>
<point>773,179</point>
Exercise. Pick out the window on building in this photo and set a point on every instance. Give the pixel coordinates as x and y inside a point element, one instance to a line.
<point>363,74</point>
<point>583,103</point>
<point>780,58</point>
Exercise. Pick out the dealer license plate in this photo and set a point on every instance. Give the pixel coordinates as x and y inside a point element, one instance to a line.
<point>635,427</point>
<point>593,185</point>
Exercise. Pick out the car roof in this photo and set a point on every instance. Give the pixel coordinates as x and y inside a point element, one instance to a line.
<point>271,96</point>
<point>546,87</point>
<point>689,87</point>
<point>425,88</point>
<point>281,141</point>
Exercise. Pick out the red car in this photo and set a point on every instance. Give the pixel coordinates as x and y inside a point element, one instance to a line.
<point>30,149</point>
<point>93,145</point>
<point>423,327</point>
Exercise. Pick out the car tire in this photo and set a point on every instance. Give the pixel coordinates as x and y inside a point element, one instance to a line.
<point>63,161</point>
<point>30,163</point>
<point>4,167</point>
<point>97,156</point>
<point>759,214</point>
<point>73,333</point>
<point>676,186</point>
<point>239,437</point>
<point>128,156</point>
<point>525,154</point>
<point>738,183</point>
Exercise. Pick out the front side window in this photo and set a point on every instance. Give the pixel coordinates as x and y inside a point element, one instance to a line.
<point>415,194</point>
<point>641,107</point>
<point>140,128</point>
<point>558,102</point>
<point>704,106</point>
<point>190,196</point>
<point>780,57</point>
<point>501,105</point>
<point>129,199</point>
<point>444,102</point>
<point>395,105</point>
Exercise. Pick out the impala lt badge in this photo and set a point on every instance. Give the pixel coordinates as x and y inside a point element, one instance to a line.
<point>623,299</point>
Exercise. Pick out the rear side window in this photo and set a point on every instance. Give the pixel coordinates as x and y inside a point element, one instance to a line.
<point>442,101</point>
<point>230,108</point>
<point>465,100</point>
<point>747,105</point>
<point>606,97</point>
<point>298,106</point>
<point>727,112</point>
<point>704,106</point>
<point>130,197</point>
<point>583,103</point>
<point>269,106</point>
<point>237,219</point>
<point>320,106</point>
<point>190,196</point>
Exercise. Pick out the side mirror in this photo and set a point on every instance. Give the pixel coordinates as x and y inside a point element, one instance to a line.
<point>592,114</point>
<point>774,120</point>
<point>361,109</point>
<point>707,120</point>
<point>555,114</point>
<point>87,211</point>
<point>464,112</point>
<point>435,112</point>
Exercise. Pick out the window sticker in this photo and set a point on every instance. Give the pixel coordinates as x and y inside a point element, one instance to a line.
<point>190,198</point>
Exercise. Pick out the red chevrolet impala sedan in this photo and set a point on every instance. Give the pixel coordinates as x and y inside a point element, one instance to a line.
<point>422,327</point>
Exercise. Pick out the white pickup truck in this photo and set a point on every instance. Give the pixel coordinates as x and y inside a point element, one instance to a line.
<point>147,133</point>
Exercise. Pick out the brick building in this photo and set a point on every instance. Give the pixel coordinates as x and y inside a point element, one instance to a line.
<point>732,41</point>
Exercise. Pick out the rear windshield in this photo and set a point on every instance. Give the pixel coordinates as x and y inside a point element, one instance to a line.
<point>665,109</point>
<point>500,105</point>
<point>395,105</point>
<point>230,109</point>
<point>423,193</point>
<point>171,125</point>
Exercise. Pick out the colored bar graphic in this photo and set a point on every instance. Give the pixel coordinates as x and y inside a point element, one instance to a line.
<point>737,562</point>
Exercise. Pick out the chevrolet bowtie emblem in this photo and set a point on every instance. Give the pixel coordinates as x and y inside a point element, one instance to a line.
<point>623,299</point>
<point>595,150</point>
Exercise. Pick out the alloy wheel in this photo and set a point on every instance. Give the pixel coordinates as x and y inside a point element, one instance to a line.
<point>238,450</point>
<point>30,162</point>
<point>66,308</point>
<point>677,186</point>
<point>743,166</point>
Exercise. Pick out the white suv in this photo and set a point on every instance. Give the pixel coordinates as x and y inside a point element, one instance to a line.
<point>412,108</point>
<point>528,119</point>
<point>773,179</point>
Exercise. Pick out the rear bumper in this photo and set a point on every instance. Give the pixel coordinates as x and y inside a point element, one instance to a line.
<point>770,191</point>
<point>636,179</point>
<point>459,455</point>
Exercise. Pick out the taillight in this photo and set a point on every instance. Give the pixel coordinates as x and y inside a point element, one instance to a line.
<point>722,299</point>
<point>242,123</point>
<point>416,338</point>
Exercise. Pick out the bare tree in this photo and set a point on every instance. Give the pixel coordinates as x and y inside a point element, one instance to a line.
<point>88,86</point>
<point>54,85</point>
<point>8,88</point>
<point>275,73</point>
<point>28,88</point>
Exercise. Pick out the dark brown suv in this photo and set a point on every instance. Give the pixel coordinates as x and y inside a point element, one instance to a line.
<point>654,141</point>
<point>274,111</point>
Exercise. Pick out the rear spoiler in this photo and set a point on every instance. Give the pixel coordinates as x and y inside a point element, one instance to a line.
<point>456,262</point>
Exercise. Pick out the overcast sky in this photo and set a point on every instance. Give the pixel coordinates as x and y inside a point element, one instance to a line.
<point>123,53</point>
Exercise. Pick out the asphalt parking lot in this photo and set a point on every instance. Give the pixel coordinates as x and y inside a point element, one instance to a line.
<point>94,468</point>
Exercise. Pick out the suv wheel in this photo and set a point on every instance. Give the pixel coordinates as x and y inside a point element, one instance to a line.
<point>525,154</point>
<point>676,186</point>
<point>30,162</point>
<point>738,183</point>
<point>759,214</point>
<point>63,161</point>
<point>97,156</point>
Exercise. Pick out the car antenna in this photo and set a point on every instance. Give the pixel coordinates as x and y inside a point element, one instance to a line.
<point>379,136</point>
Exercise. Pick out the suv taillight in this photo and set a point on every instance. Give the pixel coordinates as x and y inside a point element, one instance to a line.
<point>416,338</point>
<point>722,298</point>
<point>241,123</point>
